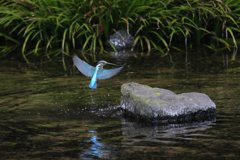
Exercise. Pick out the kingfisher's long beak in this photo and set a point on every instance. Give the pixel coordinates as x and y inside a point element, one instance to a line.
<point>112,64</point>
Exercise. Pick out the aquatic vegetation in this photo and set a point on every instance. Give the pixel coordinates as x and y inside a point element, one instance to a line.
<point>50,28</point>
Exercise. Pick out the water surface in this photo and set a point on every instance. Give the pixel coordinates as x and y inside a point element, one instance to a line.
<point>50,114</point>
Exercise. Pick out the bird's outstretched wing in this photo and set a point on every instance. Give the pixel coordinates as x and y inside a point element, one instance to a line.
<point>83,67</point>
<point>108,73</point>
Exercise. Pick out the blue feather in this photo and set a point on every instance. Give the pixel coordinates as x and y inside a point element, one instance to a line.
<point>108,73</point>
<point>83,67</point>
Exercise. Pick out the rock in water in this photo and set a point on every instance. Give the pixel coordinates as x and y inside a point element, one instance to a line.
<point>155,103</point>
<point>121,40</point>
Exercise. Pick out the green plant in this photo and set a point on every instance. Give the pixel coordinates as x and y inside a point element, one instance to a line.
<point>49,28</point>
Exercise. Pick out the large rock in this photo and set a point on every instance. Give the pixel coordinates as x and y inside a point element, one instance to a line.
<point>121,40</point>
<point>145,102</point>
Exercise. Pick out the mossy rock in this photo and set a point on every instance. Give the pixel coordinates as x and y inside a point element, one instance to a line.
<point>161,104</point>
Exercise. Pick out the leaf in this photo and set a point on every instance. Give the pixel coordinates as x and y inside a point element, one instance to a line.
<point>140,28</point>
<point>233,37</point>
<point>156,47</point>
<point>164,42</point>
<point>9,38</point>
<point>148,43</point>
<point>178,49</point>
<point>86,42</point>
<point>26,40</point>
<point>94,45</point>
<point>135,42</point>
<point>171,35</point>
<point>64,39</point>
<point>67,49</point>
<point>112,46</point>
<point>224,42</point>
<point>36,48</point>
<point>210,47</point>
<point>101,45</point>
<point>228,16</point>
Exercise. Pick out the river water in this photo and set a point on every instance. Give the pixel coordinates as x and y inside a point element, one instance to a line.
<point>50,114</point>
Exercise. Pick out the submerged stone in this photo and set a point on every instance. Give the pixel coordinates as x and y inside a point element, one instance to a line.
<point>144,102</point>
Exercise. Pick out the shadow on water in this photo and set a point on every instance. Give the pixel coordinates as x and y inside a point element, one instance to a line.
<point>46,114</point>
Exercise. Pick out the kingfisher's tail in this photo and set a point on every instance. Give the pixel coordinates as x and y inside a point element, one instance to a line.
<point>93,83</point>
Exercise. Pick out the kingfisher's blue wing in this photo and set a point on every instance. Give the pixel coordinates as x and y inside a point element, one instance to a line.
<point>83,67</point>
<point>108,73</point>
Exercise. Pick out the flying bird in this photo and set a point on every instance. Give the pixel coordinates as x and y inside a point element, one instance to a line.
<point>95,72</point>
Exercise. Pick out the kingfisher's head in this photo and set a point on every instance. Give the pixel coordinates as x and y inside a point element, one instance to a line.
<point>102,63</point>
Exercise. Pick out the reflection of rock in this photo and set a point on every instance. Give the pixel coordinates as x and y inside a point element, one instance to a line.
<point>123,54</point>
<point>121,40</point>
<point>146,102</point>
<point>134,132</point>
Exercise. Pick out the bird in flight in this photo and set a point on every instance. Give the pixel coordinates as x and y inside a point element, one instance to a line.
<point>95,72</point>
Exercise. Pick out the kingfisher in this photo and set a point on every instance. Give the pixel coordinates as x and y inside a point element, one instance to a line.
<point>95,72</point>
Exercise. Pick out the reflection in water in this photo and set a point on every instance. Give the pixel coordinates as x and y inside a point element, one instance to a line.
<point>123,54</point>
<point>97,149</point>
<point>134,132</point>
<point>44,113</point>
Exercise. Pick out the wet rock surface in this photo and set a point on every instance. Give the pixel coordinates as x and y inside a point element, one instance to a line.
<point>164,106</point>
<point>121,40</point>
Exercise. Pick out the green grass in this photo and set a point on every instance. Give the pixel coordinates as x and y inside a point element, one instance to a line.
<point>50,28</point>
